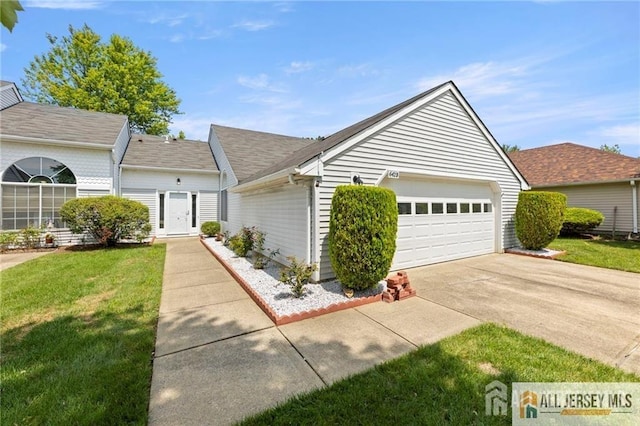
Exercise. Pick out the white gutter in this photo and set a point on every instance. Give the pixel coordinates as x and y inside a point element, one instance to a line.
<point>57,142</point>
<point>168,169</point>
<point>265,180</point>
<point>634,207</point>
<point>597,182</point>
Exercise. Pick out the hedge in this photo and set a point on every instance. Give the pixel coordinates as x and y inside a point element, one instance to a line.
<point>108,219</point>
<point>539,217</point>
<point>362,234</point>
<point>210,228</point>
<point>578,220</point>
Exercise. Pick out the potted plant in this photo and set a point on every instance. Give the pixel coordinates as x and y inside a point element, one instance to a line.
<point>49,238</point>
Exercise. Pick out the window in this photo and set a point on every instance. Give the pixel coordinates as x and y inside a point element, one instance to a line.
<point>422,208</point>
<point>452,208</point>
<point>223,205</point>
<point>33,191</point>
<point>487,207</point>
<point>194,208</point>
<point>437,208</point>
<point>477,208</point>
<point>161,211</point>
<point>464,207</point>
<point>404,208</point>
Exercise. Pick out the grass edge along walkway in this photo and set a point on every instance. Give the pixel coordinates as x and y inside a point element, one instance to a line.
<point>78,333</point>
<point>441,383</point>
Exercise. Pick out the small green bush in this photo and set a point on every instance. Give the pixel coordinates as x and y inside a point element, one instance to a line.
<point>297,275</point>
<point>108,219</point>
<point>362,234</point>
<point>8,240</point>
<point>30,237</point>
<point>539,217</point>
<point>246,240</point>
<point>210,228</point>
<point>578,220</point>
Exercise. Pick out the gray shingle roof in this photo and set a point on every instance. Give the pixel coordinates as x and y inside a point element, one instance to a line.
<point>249,151</point>
<point>311,150</point>
<point>44,121</point>
<point>152,151</point>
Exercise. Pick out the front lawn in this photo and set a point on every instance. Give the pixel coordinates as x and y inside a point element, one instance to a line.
<point>612,254</point>
<point>78,332</point>
<point>441,383</point>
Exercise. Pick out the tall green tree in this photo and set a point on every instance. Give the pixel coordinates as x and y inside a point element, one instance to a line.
<point>613,148</point>
<point>83,72</point>
<point>9,13</point>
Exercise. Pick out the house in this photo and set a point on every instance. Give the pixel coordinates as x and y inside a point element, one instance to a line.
<point>50,154</point>
<point>590,178</point>
<point>456,189</point>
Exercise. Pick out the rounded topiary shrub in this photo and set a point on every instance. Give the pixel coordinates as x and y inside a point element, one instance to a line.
<point>539,217</point>
<point>578,220</point>
<point>362,234</point>
<point>210,228</point>
<point>108,219</point>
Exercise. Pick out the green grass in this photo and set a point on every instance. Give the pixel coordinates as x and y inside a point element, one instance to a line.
<point>78,332</point>
<point>441,383</point>
<point>612,254</point>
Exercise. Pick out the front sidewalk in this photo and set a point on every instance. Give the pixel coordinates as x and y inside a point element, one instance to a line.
<point>219,358</point>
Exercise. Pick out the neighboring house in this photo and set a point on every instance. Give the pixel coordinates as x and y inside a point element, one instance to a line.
<point>177,179</point>
<point>590,178</point>
<point>456,189</point>
<point>50,154</point>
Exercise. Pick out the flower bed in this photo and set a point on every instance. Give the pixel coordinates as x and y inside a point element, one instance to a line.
<point>275,298</point>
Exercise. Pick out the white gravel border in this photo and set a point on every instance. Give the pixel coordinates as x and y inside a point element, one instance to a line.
<point>277,294</point>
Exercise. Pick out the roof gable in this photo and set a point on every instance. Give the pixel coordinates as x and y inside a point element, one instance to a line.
<point>52,122</point>
<point>249,151</point>
<point>569,163</point>
<point>156,152</point>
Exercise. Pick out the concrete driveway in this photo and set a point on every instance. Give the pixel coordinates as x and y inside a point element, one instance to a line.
<point>592,311</point>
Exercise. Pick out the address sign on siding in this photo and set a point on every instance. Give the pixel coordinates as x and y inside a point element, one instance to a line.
<point>393,174</point>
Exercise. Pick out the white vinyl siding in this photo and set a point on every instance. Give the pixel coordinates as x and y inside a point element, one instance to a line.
<point>208,206</point>
<point>604,198</point>
<point>167,180</point>
<point>283,214</point>
<point>439,137</point>
<point>149,198</point>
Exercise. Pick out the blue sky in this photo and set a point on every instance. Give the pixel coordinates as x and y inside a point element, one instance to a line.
<point>537,73</point>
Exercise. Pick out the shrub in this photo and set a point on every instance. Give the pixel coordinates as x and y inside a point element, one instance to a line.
<point>210,228</point>
<point>246,240</point>
<point>297,275</point>
<point>8,240</point>
<point>30,237</point>
<point>578,220</point>
<point>362,234</point>
<point>539,218</point>
<point>108,219</point>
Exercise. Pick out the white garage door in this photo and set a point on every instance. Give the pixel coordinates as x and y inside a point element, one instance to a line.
<point>440,221</point>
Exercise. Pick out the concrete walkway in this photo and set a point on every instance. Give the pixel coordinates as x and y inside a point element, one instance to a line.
<point>219,358</point>
<point>8,260</point>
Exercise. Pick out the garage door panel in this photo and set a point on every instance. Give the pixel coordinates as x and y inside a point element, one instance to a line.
<point>455,233</point>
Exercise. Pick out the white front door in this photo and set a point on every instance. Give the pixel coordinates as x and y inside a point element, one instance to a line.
<point>178,213</point>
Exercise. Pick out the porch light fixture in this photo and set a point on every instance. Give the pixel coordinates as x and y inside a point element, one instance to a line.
<point>178,181</point>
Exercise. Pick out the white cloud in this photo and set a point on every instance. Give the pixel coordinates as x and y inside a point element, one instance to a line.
<point>168,20</point>
<point>357,70</point>
<point>260,82</point>
<point>64,4</point>
<point>2,47</point>
<point>195,128</point>
<point>298,67</point>
<point>625,135</point>
<point>177,38</point>
<point>481,79</point>
<point>254,25</point>
<point>283,7</point>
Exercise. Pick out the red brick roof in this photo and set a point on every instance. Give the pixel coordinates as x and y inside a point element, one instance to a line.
<point>569,163</point>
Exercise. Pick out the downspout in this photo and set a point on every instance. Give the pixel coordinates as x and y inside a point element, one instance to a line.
<point>116,173</point>
<point>634,206</point>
